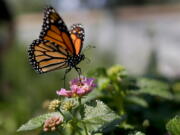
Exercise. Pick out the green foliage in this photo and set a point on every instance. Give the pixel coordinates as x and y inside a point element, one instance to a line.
<point>145,98</point>
<point>176,90</point>
<point>37,122</point>
<point>50,133</point>
<point>137,100</point>
<point>23,92</point>
<point>173,126</point>
<point>153,88</point>
<point>137,103</point>
<point>137,133</point>
<point>98,117</point>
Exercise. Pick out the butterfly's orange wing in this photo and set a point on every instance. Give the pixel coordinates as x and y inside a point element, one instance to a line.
<point>46,56</point>
<point>56,45</point>
<point>55,30</point>
<point>77,36</point>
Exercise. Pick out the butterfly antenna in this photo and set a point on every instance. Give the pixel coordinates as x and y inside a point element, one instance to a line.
<point>86,49</point>
<point>89,47</point>
<point>88,60</point>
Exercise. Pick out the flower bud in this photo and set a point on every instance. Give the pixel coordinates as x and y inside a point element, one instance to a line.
<point>116,73</point>
<point>146,123</point>
<point>54,104</point>
<point>68,105</point>
<point>52,123</point>
<point>115,70</point>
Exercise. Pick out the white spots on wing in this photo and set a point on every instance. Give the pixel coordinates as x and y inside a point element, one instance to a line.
<point>47,21</point>
<point>47,12</point>
<point>52,10</point>
<point>60,21</point>
<point>78,30</point>
<point>52,21</point>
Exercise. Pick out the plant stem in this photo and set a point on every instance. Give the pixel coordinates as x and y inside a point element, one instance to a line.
<point>80,109</point>
<point>85,128</point>
<point>79,100</point>
<point>120,98</point>
<point>61,112</point>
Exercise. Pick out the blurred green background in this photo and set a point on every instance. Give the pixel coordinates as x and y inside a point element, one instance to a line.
<point>24,93</point>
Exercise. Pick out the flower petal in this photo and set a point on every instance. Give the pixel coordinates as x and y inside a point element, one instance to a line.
<point>78,87</point>
<point>64,92</point>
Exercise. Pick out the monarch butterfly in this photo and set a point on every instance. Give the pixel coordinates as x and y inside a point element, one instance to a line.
<point>57,47</point>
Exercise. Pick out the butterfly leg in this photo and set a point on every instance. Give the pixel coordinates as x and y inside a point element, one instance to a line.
<point>78,71</point>
<point>66,71</point>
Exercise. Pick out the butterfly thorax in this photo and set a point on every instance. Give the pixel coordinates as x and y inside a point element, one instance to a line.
<point>74,60</point>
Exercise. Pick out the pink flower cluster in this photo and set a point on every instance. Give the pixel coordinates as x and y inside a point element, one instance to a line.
<point>52,123</point>
<point>78,87</point>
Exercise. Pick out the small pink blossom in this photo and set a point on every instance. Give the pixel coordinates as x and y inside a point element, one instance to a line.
<point>78,87</point>
<point>52,123</point>
<point>64,92</point>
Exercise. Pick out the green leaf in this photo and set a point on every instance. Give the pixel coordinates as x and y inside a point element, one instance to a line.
<point>103,82</point>
<point>126,126</point>
<point>152,87</point>
<point>137,133</point>
<point>137,100</point>
<point>37,122</point>
<point>98,117</point>
<point>173,126</point>
<point>116,73</point>
<point>50,133</point>
<point>91,96</point>
<point>176,97</point>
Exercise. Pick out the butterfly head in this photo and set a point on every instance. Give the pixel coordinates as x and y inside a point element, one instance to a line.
<point>81,57</point>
